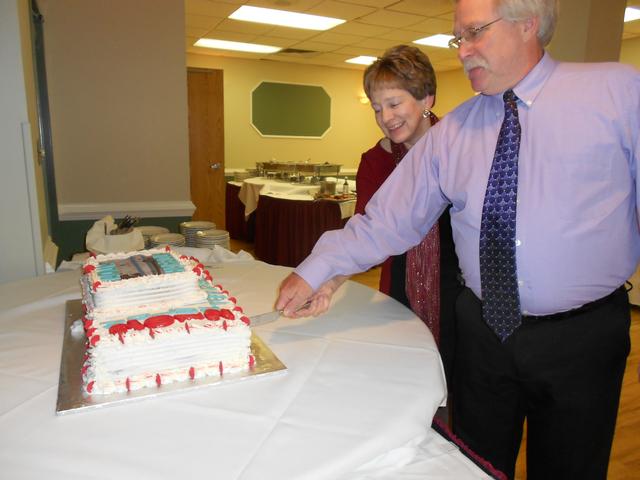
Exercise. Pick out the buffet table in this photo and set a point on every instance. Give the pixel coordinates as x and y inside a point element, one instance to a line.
<point>362,385</point>
<point>239,226</point>
<point>283,219</point>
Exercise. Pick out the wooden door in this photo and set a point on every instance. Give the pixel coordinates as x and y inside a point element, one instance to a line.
<point>206,144</point>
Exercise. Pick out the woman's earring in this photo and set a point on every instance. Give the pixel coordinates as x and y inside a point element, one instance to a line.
<point>426,113</point>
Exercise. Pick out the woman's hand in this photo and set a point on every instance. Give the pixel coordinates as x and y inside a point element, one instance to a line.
<point>320,301</point>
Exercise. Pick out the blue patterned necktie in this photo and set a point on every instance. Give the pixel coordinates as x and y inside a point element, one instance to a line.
<point>498,276</point>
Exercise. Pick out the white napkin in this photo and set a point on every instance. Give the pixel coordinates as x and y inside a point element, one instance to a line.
<point>98,240</point>
<point>211,256</point>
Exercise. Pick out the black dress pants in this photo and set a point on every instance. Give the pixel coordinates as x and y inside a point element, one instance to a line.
<point>564,375</point>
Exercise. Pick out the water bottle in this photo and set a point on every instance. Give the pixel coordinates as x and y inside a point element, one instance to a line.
<point>345,187</point>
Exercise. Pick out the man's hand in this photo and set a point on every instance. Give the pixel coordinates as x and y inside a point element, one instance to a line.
<point>296,298</point>
<point>294,292</point>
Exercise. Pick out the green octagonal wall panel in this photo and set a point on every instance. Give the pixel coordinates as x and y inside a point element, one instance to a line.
<point>290,110</point>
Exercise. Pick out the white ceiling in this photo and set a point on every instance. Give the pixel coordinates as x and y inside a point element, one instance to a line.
<point>372,26</point>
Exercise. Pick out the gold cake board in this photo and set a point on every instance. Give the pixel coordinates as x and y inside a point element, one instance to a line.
<point>72,398</point>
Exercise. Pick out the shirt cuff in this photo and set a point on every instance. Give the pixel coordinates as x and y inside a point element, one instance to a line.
<point>315,271</point>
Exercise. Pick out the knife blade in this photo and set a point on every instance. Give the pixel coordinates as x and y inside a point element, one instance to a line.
<point>272,316</point>
<point>265,318</point>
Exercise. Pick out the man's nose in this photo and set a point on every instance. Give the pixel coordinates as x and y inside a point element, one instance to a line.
<point>464,50</point>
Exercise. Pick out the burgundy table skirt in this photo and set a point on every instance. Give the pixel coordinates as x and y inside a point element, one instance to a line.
<point>238,227</point>
<point>287,230</point>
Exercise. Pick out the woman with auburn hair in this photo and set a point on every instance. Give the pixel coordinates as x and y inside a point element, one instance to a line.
<point>401,86</point>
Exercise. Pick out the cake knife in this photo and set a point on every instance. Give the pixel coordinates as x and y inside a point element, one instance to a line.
<point>272,316</point>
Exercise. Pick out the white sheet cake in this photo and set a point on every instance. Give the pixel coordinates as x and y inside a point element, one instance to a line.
<point>153,318</point>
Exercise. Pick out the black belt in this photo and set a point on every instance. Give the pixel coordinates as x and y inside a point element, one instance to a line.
<point>587,307</point>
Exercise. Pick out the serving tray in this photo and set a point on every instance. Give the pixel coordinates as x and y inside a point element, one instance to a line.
<point>72,398</point>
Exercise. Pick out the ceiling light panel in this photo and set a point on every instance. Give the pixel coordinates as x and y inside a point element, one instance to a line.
<point>362,60</point>
<point>440,40</point>
<point>235,46</point>
<point>284,18</point>
<point>631,14</point>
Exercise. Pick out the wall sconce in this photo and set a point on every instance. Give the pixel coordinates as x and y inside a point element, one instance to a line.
<point>362,98</point>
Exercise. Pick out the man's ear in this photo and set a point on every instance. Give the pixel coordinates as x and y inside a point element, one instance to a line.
<point>530,27</point>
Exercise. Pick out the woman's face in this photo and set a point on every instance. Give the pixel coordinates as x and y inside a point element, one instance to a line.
<point>399,114</point>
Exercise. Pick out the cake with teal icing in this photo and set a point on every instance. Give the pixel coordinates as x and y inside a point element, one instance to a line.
<point>152,318</point>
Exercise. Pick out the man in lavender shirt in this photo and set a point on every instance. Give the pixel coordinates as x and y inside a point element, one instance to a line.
<point>577,240</point>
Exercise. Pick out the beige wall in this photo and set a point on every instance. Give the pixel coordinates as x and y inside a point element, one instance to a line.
<point>352,131</point>
<point>117,86</point>
<point>353,128</point>
<point>630,52</point>
<point>118,101</point>
<point>453,89</point>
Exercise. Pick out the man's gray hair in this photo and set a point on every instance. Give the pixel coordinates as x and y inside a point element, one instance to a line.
<point>545,10</point>
<point>518,10</point>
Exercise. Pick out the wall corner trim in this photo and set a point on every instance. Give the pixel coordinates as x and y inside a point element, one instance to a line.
<point>151,209</point>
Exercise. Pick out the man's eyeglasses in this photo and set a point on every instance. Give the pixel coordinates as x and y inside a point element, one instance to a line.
<point>470,34</point>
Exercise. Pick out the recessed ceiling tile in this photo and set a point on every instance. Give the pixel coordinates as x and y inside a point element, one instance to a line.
<point>231,36</point>
<point>316,46</point>
<point>251,28</point>
<point>290,5</point>
<point>428,8</point>
<point>196,32</point>
<point>352,51</point>
<point>337,38</point>
<point>353,66</point>
<point>402,36</point>
<point>212,9</point>
<point>373,3</point>
<point>200,21</point>
<point>432,26</point>
<point>361,29</point>
<point>295,33</point>
<point>274,41</point>
<point>376,43</point>
<point>346,11</point>
<point>189,41</point>
<point>330,59</point>
<point>436,54</point>
<point>387,18</point>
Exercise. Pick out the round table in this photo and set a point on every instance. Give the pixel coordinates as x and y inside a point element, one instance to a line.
<point>362,380</point>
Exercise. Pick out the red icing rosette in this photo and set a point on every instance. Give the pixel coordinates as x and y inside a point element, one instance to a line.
<point>212,314</point>
<point>159,321</point>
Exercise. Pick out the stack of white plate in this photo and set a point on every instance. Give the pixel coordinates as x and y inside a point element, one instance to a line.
<point>189,230</point>
<point>149,231</point>
<point>210,238</point>
<point>171,239</point>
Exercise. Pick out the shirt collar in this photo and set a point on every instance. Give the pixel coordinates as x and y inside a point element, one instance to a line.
<point>528,89</point>
<point>532,84</point>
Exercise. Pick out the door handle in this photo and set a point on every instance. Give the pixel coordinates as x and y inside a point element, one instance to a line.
<point>215,166</point>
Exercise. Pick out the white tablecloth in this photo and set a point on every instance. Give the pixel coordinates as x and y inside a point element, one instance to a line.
<point>252,188</point>
<point>362,385</point>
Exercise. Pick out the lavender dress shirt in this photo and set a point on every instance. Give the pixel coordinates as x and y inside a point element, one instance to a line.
<point>577,227</point>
